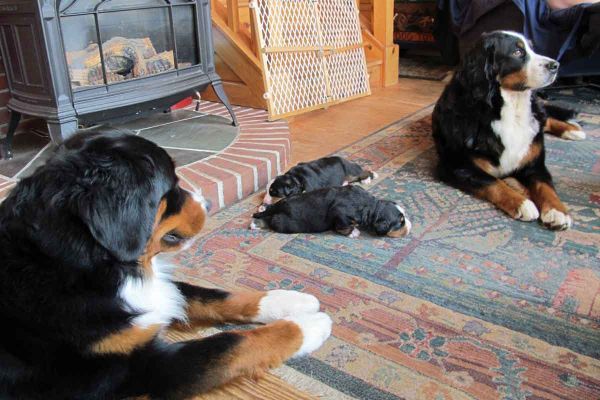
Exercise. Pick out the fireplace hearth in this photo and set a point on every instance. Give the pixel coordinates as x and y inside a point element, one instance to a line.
<point>82,62</point>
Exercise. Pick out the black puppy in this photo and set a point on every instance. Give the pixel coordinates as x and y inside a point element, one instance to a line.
<point>318,174</point>
<point>342,208</point>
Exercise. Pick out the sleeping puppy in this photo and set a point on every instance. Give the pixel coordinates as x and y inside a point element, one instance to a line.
<point>488,125</point>
<point>343,209</point>
<point>318,174</point>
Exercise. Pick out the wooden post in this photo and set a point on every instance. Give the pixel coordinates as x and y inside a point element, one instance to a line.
<point>233,15</point>
<point>383,29</point>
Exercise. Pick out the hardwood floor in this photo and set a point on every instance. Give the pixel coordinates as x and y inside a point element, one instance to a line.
<point>319,133</point>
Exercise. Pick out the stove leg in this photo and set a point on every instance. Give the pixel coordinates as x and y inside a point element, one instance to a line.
<point>7,142</point>
<point>220,92</point>
<point>61,131</point>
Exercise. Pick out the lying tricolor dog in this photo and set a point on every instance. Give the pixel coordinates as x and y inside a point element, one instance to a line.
<point>344,209</point>
<point>318,174</point>
<point>489,125</point>
<point>84,298</point>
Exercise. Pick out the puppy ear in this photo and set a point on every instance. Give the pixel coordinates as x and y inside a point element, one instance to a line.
<point>120,217</point>
<point>298,186</point>
<point>381,227</point>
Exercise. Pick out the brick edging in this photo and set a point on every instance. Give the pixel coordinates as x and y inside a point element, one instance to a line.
<point>260,152</point>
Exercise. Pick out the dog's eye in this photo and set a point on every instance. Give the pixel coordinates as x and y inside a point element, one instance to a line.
<point>172,239</point>
<point>518,52</point>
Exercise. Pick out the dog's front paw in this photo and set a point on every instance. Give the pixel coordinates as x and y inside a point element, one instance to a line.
<point>316,328</point>
<point>354,234</point>
<point>574,134</point>
<point>527,211</point>
<point>556,220</point>
<point>280,304</point>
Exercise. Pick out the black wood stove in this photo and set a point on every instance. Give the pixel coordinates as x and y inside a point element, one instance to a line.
<point>81,62</point>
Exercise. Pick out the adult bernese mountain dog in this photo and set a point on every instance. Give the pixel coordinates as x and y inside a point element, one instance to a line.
<point>488,125</point>
<point>84,297</point>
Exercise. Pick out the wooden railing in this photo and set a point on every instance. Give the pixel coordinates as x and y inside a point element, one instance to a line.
<point>236,15</point>
<point>233,19</point>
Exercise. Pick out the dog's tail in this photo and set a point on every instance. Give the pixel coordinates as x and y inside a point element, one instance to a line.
<point>559,113</point>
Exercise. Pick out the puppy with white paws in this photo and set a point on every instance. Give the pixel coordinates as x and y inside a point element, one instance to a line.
<point>344,209</point>
<point>318,174</point>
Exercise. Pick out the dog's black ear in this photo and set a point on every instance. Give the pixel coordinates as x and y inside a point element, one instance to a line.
<point>381,227</point>
<point>296,186</point>
<point>478,70</point>
<point>119,218</point>
<point>381,224</point>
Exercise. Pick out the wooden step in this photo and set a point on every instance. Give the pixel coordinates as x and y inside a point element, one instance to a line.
<point>375,71</point>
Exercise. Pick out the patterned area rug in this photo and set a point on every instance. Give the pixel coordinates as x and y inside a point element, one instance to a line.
<point>472,305</point>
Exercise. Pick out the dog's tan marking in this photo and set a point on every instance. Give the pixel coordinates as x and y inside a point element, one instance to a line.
<point>187,223</point>
<point>515,81</point>
<point>502,196</point>
<point>545,198</point>
<point>262,349</point>
<point>485,165</point>
<point>125,341</point>
<point>146,258</point>
<point>535,149</point>
<point>399,233</point>
<point>237,307</point>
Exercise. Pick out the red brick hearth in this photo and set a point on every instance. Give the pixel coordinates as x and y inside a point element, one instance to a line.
<point>260,152</point>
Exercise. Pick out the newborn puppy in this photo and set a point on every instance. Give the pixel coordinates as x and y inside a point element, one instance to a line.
<point>322,173</point>
<point>343,209</point>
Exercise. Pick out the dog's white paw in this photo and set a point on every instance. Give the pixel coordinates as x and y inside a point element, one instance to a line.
<point>254,226</point>
<point>345,183</point>
<point>280,304</point>
<point>316,328</point>
<point>556,220</point>
<point>573,135</point>
<point>527,211</point>
<point>354,234</point>
<point>577,134</point>
<point>366,181</point>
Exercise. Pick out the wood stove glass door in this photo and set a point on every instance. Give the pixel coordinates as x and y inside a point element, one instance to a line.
<point>110,41</point>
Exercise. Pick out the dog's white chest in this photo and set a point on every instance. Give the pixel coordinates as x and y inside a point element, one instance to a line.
<point>516,128</point>
<point>156,299</point>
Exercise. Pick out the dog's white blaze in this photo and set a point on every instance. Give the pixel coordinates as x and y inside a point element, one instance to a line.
<point>516,128</point>
<point>156,299</point>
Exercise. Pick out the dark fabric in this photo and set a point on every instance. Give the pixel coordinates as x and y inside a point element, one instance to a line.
<point>464,14</point>
<point>552,32</point>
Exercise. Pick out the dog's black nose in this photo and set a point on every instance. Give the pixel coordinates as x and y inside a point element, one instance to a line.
<point>552,66</point>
